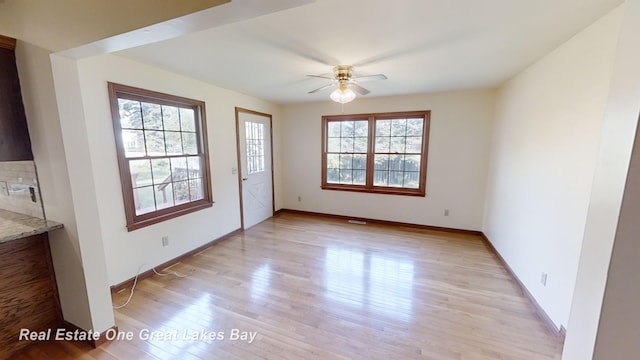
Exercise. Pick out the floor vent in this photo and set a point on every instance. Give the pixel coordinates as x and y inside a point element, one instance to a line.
<point>359,222</point>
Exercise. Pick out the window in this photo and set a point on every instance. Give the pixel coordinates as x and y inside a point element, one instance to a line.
<point>377,153</point>
<point>162,154</point>
<point>254,133</point>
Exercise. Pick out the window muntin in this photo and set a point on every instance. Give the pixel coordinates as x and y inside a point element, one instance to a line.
<point>380,153</point>
<point>162,153</point>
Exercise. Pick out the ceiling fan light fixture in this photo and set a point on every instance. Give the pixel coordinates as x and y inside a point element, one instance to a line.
<point>342,96</point>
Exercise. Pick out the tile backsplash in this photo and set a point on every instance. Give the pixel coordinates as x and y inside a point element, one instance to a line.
<point>19,190</point>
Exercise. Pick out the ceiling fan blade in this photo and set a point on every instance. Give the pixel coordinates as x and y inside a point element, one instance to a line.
<point>321,88</point>
<point>359,89</point>
<point>370,77</point>
<point>330,77</point>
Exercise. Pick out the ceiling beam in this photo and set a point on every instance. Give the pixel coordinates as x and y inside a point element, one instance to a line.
<point>64,24</point>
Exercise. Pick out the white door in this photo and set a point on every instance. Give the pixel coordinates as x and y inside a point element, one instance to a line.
<point>254,141</point>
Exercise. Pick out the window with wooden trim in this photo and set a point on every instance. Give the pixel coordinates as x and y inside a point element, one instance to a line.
<point>162,154</point>
<point>377,153</point>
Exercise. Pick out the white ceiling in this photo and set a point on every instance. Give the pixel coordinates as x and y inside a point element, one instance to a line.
<point>421,45</point>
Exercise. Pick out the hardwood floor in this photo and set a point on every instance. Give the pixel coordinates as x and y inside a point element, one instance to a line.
<point>319,288</point>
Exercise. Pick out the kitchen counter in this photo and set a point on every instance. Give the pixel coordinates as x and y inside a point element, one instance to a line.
<point>28,291</point>
<point>17,226</point>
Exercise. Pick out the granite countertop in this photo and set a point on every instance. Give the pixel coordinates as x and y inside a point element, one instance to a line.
<point>16,226</point>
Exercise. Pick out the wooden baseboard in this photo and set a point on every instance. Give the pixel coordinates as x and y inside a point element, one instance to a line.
<point>129,283</point>
<point>542,315</point>
<point>93,341</point>
<point>381,222</point>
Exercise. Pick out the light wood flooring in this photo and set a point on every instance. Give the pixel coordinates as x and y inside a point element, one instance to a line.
<point>320,288</point>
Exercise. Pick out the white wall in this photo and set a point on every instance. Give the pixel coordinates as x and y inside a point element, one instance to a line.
<point>545,142</point>
<point>617,337</point>
<point>126,252</point>
<point>38,93</point>
<point>83,190</point>
<point>457,166</point>
<point>620,319</point>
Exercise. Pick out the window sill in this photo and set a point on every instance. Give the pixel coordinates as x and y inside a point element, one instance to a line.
<point>376,190</point>
<point>159,218</point>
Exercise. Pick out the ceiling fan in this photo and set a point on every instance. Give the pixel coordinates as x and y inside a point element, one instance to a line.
<point>345,81</point>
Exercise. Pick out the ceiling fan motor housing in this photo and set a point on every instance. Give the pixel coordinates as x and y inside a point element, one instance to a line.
<point>343,74</point>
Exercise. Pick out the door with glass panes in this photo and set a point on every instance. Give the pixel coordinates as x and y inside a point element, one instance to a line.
<point>254,140</point>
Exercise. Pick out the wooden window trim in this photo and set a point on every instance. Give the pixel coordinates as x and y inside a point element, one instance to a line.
<point>369,187</point>
<point>119,91</point>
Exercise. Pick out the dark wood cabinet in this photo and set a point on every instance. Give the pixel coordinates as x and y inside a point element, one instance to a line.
<point>28,291</point>
<point>15,143</point>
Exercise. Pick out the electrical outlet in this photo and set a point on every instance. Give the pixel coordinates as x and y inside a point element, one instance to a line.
<point>32,194</point>
<point>446,212</point>
<point>165,241</point>
<point>299,198</point>
<point>543,279</point>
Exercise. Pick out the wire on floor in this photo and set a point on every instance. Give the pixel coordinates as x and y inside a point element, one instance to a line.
<point>174,273</point>
<point>135,282</point>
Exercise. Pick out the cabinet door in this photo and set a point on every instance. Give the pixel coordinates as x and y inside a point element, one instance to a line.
<point>14,135</point>
<point>28,292</point>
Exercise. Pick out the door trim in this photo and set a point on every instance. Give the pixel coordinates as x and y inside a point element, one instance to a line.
<point>239,155</point>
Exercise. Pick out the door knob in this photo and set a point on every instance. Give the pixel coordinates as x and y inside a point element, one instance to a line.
<point>245,179</point>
